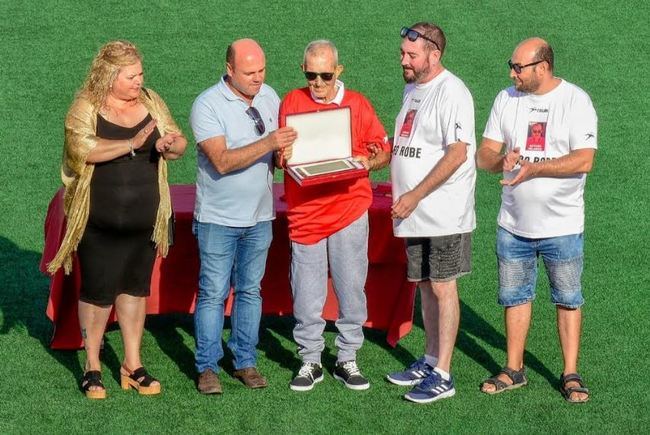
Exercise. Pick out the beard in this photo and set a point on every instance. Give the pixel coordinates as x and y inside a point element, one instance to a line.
<point>412,75</point>
<point>528,86</point>
<point>409,75</point>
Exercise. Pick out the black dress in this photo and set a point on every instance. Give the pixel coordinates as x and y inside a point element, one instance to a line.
<point>116,254</point>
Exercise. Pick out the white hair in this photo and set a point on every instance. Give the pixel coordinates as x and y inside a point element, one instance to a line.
<point>315,46</point>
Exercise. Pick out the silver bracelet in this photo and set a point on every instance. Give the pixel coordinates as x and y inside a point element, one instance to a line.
<point>131,150</point>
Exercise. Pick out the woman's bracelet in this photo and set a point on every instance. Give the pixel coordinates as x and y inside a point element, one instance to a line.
<point>131,150</point>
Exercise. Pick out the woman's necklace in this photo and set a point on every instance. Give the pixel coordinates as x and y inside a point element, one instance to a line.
<point>111,111</point>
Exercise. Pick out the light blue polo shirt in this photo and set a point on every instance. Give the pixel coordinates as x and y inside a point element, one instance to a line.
<point>240,198</point>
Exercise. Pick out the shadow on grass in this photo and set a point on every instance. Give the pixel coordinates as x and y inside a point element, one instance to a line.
<point>472,327</point>
<point>276,351</point>
<point>276,343</point>
<point>275,333</point>
<point>165,330</point>
<point>23,301</point>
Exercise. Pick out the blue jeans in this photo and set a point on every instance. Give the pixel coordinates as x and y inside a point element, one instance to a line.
<point>229,256</point>
<point>517,257</point>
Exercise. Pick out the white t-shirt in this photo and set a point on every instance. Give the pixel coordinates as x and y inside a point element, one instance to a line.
<point>435,115</point>
<point>543,127</point>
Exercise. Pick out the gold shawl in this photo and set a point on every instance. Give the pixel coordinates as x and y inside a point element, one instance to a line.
<point>80,139</point>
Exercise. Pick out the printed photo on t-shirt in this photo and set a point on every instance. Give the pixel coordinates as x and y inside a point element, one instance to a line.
<point>407,126</point>
<point>536,139</point>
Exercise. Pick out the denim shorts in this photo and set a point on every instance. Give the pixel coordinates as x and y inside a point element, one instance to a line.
<point>439,259</point>
<point>517,256</point>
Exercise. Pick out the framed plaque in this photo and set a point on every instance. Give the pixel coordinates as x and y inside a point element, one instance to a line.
<point>322,152</point>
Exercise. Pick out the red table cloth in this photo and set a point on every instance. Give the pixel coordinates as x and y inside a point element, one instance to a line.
<point>174,280</point>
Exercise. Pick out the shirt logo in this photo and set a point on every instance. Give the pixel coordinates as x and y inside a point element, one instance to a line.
<point>535,109</point>
<point>589,136</point>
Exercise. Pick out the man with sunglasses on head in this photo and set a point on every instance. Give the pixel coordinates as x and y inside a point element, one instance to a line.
<point>542,205</point>
<point>329,223</point>
<point>433,175</point>
<point>236,128</point>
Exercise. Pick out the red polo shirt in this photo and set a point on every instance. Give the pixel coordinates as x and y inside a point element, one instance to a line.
<point>318,211</point>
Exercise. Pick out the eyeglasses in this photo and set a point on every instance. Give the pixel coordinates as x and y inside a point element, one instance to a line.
<point>413,35</point>
<point>518,67</point>
<point>311,76</point>
<point>254,114</point>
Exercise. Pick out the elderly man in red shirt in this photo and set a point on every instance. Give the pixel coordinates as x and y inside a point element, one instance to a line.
<point>329,223</point>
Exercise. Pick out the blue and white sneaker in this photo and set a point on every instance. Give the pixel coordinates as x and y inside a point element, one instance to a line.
<point>433,388</point>
<point>413,375</point>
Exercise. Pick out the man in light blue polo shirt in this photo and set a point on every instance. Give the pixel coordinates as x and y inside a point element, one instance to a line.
<point>235,125</point>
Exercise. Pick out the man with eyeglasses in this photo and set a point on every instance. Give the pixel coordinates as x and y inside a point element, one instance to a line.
<point>542,207</point>
<point>236,128</point>
<point>329,224</point>
<point>433,175</point>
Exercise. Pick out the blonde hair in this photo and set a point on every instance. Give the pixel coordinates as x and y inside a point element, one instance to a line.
<point>105,67</point>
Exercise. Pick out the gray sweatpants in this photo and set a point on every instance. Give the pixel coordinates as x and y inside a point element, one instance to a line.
<point>347,252</point>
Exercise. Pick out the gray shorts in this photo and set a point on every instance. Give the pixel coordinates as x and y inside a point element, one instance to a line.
<point>439,259</point>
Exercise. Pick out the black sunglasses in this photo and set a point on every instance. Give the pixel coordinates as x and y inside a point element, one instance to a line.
<point>413,35</point>
<point>518,67</point>
<point>254,114</point>
<point>309,75</point>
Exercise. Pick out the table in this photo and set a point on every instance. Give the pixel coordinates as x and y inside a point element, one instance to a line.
<point>174,280</point>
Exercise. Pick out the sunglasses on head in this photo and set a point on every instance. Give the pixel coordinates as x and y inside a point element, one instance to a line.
<point>326,76</point>
<point>516,67</point>
<point>254,114</point>
<point>413,35</point>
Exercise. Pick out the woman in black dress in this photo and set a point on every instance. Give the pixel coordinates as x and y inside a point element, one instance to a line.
<point>117,204</point>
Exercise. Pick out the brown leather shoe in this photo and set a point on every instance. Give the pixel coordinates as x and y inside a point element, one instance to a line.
<point>251,377</point>
<point>209,383</point>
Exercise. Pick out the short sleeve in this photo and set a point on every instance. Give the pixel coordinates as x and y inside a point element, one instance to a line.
<point>205,120</point>
<point>373,130</point>
<point>493,129</point>
<point>457,117</point>
<point>584,124</point>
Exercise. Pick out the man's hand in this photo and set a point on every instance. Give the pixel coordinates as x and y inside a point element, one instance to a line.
<point>377,158</point>
<point>282,138</point>
<point>363,160</point>
<point>373,149</point>
<point>164,144</point>
<point>404,206</point>
<point>526,171</point>
<point>282,156</point>
<point>510,159</point>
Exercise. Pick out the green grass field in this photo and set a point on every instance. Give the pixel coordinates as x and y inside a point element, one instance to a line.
<point>601,46</point>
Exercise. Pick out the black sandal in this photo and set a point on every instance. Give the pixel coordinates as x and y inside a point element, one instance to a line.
<point>568,391</point>
<point>518,379</point>
<point>93,378</point>
<point>140,380</point>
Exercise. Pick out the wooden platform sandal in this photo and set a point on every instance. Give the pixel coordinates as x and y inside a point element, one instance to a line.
<point>93,378</point>
<point>140,380</point>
